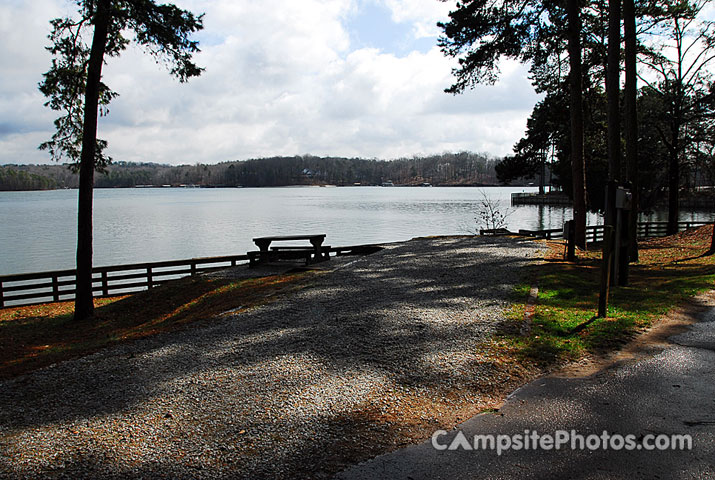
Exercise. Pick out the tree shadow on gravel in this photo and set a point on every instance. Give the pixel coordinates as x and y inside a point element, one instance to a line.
<point>662,393</point>
<point>410,315</point>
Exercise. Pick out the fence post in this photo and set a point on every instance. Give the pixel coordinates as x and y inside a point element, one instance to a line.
<point>193,268</point>
<point>149,279</point>
<point>605,271</point>
<point>570,233</point>
<point>105,284</point>
<point>2,296</point>
<point>55,289</point>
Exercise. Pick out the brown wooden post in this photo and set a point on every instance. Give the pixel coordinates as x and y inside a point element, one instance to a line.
<point>605,271</point>
<point>570,229</point>
<point>2,296</point>
<point>55,289</point>
<point>105,284</point>
<point>149,277</point>
<point>193,268</point>
<point>624,250</point>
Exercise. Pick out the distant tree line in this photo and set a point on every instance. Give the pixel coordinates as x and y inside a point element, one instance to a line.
<point>462,168</point>
<point>14,179</point>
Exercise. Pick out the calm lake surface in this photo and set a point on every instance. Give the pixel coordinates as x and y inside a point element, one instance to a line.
<point>38,229</point>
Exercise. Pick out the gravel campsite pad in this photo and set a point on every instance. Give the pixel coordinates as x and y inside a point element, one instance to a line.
<point>376,352</point>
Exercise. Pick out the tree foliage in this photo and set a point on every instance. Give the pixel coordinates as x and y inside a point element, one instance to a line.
<point>162,30</point>
<point>679,58</point>
<point>482,32</point>
<point>671,111</point>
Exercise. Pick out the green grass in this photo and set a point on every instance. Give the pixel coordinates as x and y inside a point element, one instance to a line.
<point>564,326</point>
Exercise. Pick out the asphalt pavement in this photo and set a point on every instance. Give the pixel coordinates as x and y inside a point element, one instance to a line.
<point>657,410</point>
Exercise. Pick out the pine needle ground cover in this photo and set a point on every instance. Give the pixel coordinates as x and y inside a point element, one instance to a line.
<point>36,336</point>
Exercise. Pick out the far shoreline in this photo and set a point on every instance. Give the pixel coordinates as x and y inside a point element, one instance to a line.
<point>475,185</point>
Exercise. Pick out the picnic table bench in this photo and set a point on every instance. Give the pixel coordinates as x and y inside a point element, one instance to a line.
<point>315,253</point>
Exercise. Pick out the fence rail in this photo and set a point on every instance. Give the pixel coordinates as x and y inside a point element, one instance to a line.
<point>59,285</point>
<point>551,198</point>
<point>594,233</point>
<point>55,286</point>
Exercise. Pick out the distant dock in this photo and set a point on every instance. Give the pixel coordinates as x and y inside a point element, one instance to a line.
<point>540,199</point>
<point>698,201</point>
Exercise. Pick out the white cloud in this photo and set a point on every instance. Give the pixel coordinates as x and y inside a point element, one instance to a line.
<point>24,30</point>
<point>422,14</point>
<point>281,79</point>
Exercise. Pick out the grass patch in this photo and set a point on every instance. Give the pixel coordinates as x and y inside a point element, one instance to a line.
<point>669,272</point>
<point>36,336</point>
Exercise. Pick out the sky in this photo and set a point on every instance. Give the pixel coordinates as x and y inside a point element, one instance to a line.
<point>347,78</point>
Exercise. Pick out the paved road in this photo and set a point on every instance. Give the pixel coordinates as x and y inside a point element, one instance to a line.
<point>670,391</point>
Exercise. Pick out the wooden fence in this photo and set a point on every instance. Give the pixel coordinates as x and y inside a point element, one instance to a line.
<point>594,233</point>
<point>552,198</point>
<point>59,285</point>
<point>32,288</point>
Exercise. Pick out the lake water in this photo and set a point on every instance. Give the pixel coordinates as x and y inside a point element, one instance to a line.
<point>38,229</point>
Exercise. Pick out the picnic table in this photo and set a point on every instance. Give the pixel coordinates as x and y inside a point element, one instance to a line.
<point>316,252</point>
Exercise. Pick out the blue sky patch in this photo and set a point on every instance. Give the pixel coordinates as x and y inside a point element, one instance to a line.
<point>373,27</point>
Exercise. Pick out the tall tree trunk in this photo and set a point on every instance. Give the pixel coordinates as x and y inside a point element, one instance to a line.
<point>576,113</point>
<point>674,169</point>
<point>631,122</point>
<point>84,305</point>
<point>542,175</point>
<point>673,187</point>
<point>675,126</point>
<point>613,92</point>
<point>613,113</point>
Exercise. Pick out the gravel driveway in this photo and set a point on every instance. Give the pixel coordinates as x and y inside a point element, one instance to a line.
<point>369,353</point>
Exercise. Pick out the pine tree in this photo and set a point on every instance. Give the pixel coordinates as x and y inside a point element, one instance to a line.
<point>74,86</point>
